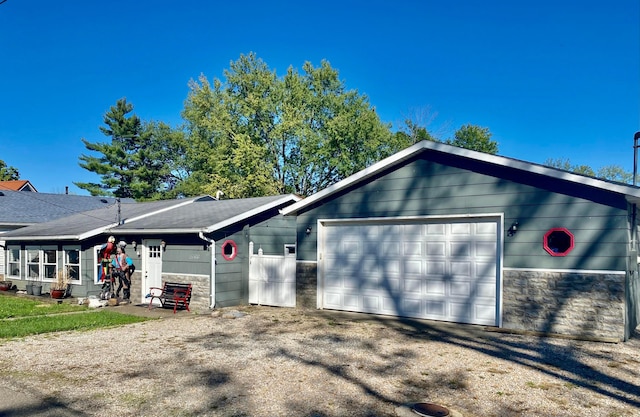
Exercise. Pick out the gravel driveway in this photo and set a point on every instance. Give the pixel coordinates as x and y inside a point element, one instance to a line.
<point>292,362</point>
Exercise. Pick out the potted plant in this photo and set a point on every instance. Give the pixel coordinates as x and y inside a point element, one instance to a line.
<point>36,284</point>
<point>60,287</point>
<point>37,288</point>
<point>29,287</point>
<point>5,285</point>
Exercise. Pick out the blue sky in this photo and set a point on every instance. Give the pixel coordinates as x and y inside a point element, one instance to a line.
<point>549,78</point>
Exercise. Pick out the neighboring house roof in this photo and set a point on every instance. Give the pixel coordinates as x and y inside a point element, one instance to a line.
<point>190,215</point>
<point>632,193</point>
<point>19,209</point>
<point>17,185</point>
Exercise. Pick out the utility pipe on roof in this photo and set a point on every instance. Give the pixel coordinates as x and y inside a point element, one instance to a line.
<point>212,244</point>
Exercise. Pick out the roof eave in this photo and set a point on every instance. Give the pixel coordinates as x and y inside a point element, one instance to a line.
<point>145,231</point>
<point>250,213</point>
<point>7,224</point>
<point>34,238</point>
<point>398,158</point>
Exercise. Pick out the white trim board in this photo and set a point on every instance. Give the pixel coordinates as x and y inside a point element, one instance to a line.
<point>573,271</point>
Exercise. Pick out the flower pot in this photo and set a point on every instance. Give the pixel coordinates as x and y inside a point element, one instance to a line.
<point>29,288</point>
<point>58,294</point>
<point>37,290</point>
<point>5,285</point>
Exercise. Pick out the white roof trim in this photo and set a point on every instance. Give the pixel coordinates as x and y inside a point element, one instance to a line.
<point>162,210</point>
<point>365,173</point>
<point>631,192</point>
<point>68,237</point>
<point>145,231</point>
<point>102,229</point>
<point>91,233</point>
<point>250,213</point>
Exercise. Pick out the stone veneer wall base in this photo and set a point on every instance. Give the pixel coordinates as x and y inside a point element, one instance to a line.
<point>581,305</point>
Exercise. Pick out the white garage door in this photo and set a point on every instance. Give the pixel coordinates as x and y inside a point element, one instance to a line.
<point>437,270</point>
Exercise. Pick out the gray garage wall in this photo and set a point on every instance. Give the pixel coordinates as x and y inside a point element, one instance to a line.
<point>597,219</point>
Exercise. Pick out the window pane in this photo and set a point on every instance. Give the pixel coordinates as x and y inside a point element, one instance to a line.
<point>34,271</point>
<point>14,269</point>
<point>72,263</point>
<point>50,271</point>
<point>14,255</point>
<point>49,263</point>
<point>73,256</point>
<point>13,264</point>
<point>32,256</point>
<point>74,272</point>
<point>50,256</point>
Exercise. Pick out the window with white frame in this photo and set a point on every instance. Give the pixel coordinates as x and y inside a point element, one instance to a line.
<point>33,263</point>
<point>49,263</point>
<point>13,261</point>
<point>71,262</point>
<point>97,270</point>
<point>42,263</point>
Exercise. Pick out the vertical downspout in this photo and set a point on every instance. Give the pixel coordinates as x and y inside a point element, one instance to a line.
<point>212,245</point>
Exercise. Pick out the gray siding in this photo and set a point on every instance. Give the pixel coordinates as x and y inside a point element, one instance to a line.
<point>232,277</point>
<point>271,235</point>
<point>425,188</point>
<point>187,259</point>
<point>87,266</point>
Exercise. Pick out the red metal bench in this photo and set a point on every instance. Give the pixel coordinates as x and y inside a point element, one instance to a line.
<point>172,295</point>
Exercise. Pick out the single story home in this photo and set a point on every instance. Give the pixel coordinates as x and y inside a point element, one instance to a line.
<point>21,206</point>
<point>445,233</point>
<point>202,241</point>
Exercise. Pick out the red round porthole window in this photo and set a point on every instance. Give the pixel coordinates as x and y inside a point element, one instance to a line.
<point>558,241</point>
<point>229,250</point>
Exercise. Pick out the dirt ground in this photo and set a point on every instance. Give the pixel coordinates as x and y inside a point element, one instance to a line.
<point>263,361</point>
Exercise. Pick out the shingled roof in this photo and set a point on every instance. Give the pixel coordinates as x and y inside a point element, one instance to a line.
<point>17,185</point>
<point>189,215</point>
<point>20,208</point>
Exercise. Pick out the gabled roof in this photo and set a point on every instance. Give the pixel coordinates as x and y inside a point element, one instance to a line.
<point>92,222</point>
<point>20,208</point>
<point>190,215</point>
<point>17,185</point>
<point>631,193</point>
<point>207,217</point>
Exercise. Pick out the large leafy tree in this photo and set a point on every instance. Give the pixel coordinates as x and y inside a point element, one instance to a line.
<point>8,173</point>
<point>163,160</point>
<point>615,173</point>
<point>255,133</point>
<point>565,164</point>
<point>229,125</point>
<point>412,133</point>
<point>475,138</point>
<point>468,136</point>
<point>608,172</point>
<point>137,161</point>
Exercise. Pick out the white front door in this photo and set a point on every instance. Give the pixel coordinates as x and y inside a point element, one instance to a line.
<point>151,266</point>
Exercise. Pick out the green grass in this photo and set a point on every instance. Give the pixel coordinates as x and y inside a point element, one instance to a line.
<point>11,306</point>
<point>21,317</point>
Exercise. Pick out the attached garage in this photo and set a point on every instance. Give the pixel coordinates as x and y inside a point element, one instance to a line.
<point>442,269</point>
<point>445,233</point>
